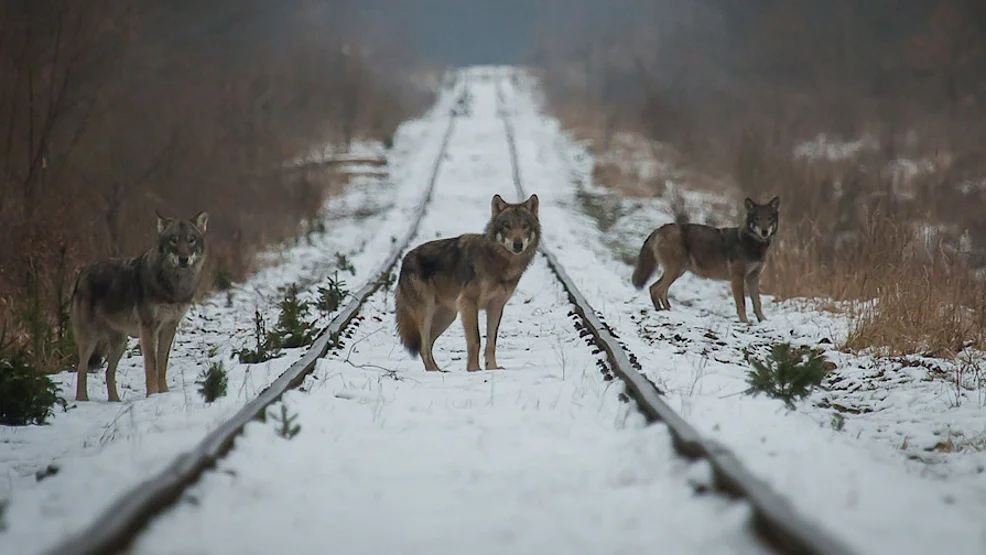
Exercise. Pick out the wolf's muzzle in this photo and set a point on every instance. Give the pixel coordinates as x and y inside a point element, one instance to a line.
<point>518,246</point>
<point>183,261</point>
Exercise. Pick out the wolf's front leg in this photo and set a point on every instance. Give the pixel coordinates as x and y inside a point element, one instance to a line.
<point>737,282</point>
<point>470,321</point>
<point>494,312</point>
<point>753,290</point>
<point>165,339</point>
<point>148,348</point>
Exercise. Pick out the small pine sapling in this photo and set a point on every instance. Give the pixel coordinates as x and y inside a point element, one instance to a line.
<point>26,395</point>
<point>264,350</point>
<point>286,427</point>
<point>331,296</point>
<point>787,373</point>
<point>292,331</point>
<point>213,382</point>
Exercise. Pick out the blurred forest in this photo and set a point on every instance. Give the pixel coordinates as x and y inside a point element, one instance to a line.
<point>112,109</point>
<point>867,118</point>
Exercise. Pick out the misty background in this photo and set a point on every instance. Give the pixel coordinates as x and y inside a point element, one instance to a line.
<point>112,109</point>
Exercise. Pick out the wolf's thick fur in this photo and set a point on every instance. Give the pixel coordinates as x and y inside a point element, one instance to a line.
<point>143,297</point>
<point>466,274</point>
<point>734,254</point>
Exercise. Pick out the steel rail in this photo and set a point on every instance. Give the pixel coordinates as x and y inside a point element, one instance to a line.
<point>117,526</point>
<point>774,518</point>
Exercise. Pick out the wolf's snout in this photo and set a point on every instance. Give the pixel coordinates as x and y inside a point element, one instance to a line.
<point>183,261</point>
<point>518,245</point>
<point>765,232</point>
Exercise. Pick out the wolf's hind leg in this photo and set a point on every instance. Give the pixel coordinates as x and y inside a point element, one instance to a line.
<point>114,351</point>
<point>659,291</point>
<point>86,348</point>
<point>424,326</point>
<point>440,321</point>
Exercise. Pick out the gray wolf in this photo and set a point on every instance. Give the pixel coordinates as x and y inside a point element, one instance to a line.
<point>736,254</point>
<point>465,274</point>
<point>144,297</point>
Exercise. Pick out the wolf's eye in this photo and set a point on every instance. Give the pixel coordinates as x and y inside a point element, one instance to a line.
<point>174,241</point>
<point>191,242</point>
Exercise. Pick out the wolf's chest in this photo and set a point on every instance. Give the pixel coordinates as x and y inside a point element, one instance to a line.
<point>167,312</point>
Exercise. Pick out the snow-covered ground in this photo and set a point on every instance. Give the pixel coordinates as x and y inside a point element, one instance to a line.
<point>885,479</point>
<point>100,449</point>
<point>541,457</point>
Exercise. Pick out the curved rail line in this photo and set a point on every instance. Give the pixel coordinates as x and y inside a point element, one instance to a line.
<point>115,529</point>
<point>774,518</point>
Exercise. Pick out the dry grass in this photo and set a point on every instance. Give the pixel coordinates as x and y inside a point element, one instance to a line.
<point>876,235</point>
<point>851,231</point>
<point>173,128</point>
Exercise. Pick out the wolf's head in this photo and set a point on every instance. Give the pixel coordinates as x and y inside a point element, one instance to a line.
<point>181,243</point>
<point>515,227</point>
<point>761,219</point>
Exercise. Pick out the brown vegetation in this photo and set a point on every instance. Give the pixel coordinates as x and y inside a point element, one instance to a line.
<point>112,109</point>
<point>733,88</point>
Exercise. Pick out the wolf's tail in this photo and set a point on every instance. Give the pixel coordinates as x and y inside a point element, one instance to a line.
<point>407,299</point>
<point>646,262</point>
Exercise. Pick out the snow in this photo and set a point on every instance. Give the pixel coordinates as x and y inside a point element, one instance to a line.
<point>539,457</point>
<point>863,481</point>
<point>101,448</point>
<point>542,456</point>
<point>824,147</point>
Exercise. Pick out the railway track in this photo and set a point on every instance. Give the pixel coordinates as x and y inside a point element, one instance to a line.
<point>772,518</point>
<point>116,527</point>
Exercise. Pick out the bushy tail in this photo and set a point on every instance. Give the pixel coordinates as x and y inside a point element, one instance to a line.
<point>646,262</point>
<point>406,299</point>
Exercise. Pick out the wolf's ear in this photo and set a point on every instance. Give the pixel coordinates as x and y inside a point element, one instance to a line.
<point>498,205</point>
<point>750,205</point>
<point>531,204</point>
<point>200,220</point>
<point>162,222</point>
<point>775,202</point>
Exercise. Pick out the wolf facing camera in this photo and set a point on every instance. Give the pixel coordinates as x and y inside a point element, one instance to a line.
<point>734,254</point>
<point>465,274</point>
<point>144,297</point>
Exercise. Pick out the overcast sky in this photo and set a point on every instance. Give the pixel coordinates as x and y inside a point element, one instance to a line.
<point>461,32</point>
